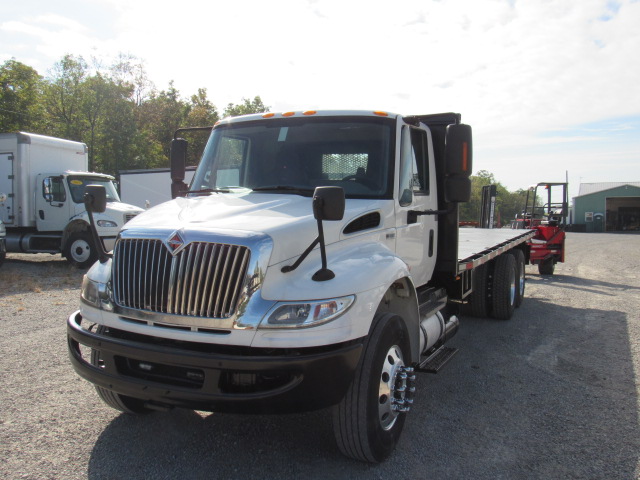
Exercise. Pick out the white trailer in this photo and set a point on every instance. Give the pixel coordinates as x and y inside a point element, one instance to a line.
<point>149,187</point>
<point>315,261</point>
<point>42,181</point>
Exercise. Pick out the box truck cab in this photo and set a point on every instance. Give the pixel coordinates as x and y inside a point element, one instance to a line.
<point>42,184</point>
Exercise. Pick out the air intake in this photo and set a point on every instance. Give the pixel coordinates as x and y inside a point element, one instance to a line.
<point>365,222</point>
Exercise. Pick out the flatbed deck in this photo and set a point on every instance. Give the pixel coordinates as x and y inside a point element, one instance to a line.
<point>479,245</point>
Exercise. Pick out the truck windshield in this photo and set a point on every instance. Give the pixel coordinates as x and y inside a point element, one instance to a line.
<point>295,155</point>
<point>77,184</point>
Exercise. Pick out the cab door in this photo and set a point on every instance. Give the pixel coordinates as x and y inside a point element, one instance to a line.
<point>52,203</point>
<point>417,235</point>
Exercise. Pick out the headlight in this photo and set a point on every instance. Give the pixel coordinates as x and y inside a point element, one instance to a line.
<point>306,314</point>
<point>95,294</point>
<point>89,292</point>
<point>107,223</point>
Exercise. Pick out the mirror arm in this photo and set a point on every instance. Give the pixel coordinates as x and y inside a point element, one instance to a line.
<point>291,268</point>
<point>324,273</point>
<point>103,256</point>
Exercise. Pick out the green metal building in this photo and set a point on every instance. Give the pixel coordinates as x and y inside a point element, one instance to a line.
<point>607,207</point>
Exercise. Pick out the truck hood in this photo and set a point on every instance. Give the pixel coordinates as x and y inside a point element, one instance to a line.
<point>120,207</point>
<point>287,219</point>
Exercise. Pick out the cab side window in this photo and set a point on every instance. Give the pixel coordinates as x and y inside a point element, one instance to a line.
<point>53,190</point>
<point>414,172</point>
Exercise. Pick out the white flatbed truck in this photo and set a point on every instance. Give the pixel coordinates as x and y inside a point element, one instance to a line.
<point>315,261</point>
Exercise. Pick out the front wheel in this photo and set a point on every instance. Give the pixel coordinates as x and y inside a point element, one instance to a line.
<point>368,421</point>
<point>130,405</point>
<point>80,250</point>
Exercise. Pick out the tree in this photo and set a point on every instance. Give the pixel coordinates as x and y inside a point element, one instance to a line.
<point>64,97</point>
<point>20,97</point>
<point>246,107</point>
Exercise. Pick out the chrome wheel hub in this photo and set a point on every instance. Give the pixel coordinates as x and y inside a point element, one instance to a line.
<point>395,394</point>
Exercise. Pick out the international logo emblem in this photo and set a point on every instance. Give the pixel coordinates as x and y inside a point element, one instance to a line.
<point>175,242</point>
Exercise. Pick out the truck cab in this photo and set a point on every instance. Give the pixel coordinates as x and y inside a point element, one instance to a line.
<point>309,264</point>
<point>59,205</point>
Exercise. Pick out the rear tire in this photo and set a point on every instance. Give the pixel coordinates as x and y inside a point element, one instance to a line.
<point>504,287</point>
<point>479,303</point>
<point>130,405</point>
<point>520,275</point>
<point>365,424</point>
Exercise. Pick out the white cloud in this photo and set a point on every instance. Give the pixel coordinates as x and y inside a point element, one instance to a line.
<point>514,69</point>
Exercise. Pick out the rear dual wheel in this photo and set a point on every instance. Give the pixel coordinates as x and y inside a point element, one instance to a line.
<point>504,287</point>
<point>520,275</point>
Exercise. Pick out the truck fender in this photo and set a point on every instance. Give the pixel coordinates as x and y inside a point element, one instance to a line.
<point>369,267</point>
<point>76,225</point>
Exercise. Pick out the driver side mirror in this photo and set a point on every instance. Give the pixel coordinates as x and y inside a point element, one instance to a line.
<point>95,198</point>
<point>328,203</point>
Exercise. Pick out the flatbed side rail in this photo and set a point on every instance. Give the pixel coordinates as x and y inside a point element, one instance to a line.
<point>484,256</point>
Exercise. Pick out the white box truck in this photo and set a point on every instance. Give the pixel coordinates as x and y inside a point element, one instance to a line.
<point>315,261</point>
<point>42,182</point>
<point>147,188</point>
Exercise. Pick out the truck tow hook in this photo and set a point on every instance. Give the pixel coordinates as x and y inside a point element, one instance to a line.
<point>404,389</point>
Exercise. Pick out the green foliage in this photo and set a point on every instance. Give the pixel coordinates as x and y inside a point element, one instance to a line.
<point>20,97</point>
<point>507,203</point>
<point>115,110</point>
<point>246,107</point>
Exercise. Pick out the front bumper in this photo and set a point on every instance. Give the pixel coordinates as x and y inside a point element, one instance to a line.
<point>211,377</point>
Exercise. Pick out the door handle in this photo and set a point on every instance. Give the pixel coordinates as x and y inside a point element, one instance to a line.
<point>41,213</point>
<point>412,215</point>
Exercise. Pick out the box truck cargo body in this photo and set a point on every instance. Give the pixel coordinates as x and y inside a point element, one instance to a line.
<point>42,182</point>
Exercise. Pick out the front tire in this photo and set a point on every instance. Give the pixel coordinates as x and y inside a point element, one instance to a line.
<point>123,403</point>
<point>80,250</point>
<point>368,421</point>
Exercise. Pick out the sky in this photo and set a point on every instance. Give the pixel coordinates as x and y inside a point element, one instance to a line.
<point>550,87</point>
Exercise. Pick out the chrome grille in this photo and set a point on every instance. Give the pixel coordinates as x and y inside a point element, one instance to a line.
<point>202,280</point>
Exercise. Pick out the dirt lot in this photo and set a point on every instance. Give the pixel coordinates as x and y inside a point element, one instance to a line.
<point>552,393</point>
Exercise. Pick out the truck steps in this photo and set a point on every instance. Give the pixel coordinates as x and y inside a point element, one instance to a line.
<point>434,362</point>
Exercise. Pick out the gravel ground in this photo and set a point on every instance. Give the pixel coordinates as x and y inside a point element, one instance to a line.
<point>552,393</point>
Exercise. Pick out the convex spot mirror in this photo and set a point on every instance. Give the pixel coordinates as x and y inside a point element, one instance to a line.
<point>328,203</point>
<point>95,198</point>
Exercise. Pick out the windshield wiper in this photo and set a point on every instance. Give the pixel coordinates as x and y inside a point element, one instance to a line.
<point>210,190</point>
<point>284,188</point>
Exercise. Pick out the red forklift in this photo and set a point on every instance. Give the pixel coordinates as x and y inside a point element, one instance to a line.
<point>546,209</point>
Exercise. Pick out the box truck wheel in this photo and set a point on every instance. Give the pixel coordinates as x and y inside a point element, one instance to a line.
<point>115,400</point>
<point>504,286</point>
<point>367,422</point>
<point>520,275</point>
<point>80,250</point>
